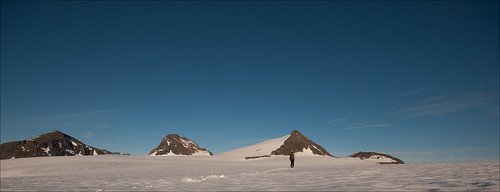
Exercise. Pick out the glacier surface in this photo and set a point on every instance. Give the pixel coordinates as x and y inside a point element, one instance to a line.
<point>163,173</point>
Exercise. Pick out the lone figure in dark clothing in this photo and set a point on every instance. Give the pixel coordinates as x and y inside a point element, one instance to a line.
<point>292,160</point>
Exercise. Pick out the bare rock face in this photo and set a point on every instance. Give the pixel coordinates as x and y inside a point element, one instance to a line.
<point>384,158</point>
<point>174,144</point>
<point>54,143</point>
<point>298,143</point>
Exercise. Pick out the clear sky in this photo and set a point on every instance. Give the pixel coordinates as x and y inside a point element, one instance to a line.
<point>416,79</point>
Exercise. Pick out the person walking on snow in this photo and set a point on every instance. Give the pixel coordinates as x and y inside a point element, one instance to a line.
<point>292,160</point>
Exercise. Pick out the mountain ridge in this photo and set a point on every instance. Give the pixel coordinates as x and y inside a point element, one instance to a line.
<point>54,143</point>
<point>173,144</point>
<point>57,143</point>
<point>297,142</point>
<point>294,142</point>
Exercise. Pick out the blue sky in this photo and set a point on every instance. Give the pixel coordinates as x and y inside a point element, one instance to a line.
<point>418,80</point>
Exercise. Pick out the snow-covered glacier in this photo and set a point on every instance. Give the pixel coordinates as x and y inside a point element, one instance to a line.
<point>190,173</point>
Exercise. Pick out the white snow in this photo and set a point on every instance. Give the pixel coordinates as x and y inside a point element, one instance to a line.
<point>305,152</point>
<point>216,173</point>
<point>201,153</point>
<point>201,179</point>
<point>74,144</point>
<point>95,153</point>
<point>187,143</point>
<point>46,150</point>
<point>70,151</point>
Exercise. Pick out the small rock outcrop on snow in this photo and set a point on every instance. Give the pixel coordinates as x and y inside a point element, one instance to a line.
<point>173,145</point>
<point>54,143</point>
<point>382,158</point>
<point>294,142</point>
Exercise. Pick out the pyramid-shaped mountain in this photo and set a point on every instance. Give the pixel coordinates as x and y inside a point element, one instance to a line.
<point>174,145</point>
<point>294,142</point>
<point>297,143</point>
<point>55,143</point>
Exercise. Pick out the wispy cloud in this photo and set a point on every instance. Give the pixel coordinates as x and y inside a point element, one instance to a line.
<point>368,126</point>
<point>446,105</point>
<point>88,135</point>
<point>338,120</point>
<point>79,114</point>
<point>103,126</point>
<point>480,149</point>
<point>382,125</point>
<point>492,113</point>
<point>408,93</point>
<point>457,154</point>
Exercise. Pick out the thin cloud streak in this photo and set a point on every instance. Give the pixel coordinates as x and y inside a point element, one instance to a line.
<point>103,126</point>
<point>446,105</point>
<point>81,114</point>
<point>368,126</point>
<point>88,135</point>
<point>338,120</point>
<point>409,93</point>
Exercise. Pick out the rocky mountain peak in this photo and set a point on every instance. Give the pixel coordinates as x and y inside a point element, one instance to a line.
<point>55,143</point>
<point>173,144</point>
<point>297,142</point>
<point>173,137</point>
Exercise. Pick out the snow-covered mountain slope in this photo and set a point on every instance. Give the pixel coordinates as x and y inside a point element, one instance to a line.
<point>175,145</point>
<point>55,143</point>
<point>294,142</point>
<point>257,150</point>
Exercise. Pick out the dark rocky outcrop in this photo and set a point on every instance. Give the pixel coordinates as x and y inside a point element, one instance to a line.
<point>374,155</point>
<point>54,143</point>
<point>297,143</point>
<point>174,144</point>
<point>256,157</point>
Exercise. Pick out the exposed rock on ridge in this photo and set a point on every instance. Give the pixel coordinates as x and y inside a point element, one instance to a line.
<point>174,144</point>
<point>54,143</point>
<point>377,156</point>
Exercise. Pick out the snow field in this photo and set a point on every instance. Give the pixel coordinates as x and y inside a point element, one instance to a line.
<point>139,173</point>
<point>259,149</point>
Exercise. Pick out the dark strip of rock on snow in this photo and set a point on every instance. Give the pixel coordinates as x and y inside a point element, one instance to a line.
<point>365,155</point>
<point>255,157</point>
